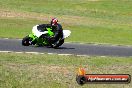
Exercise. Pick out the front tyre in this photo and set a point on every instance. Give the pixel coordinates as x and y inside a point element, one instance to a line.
<point>26,41</point>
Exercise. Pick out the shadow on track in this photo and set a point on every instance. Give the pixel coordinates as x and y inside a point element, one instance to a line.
<point>50,47</point>
<point>64,48</point>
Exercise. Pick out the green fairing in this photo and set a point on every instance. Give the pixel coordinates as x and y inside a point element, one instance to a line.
<point>41,41</point>
<point>50,33</point>
<point>32,36</point>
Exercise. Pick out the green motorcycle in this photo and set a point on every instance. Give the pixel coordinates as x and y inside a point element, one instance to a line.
<point>35,39</point>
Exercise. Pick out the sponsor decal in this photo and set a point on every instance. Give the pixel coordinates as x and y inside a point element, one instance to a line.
<point>83,78</point>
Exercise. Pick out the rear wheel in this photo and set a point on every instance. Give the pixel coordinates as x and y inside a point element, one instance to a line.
<point>58,43</point>
<point>26,41</point>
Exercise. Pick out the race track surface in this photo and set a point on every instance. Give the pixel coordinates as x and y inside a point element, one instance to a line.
<point>67,48</point>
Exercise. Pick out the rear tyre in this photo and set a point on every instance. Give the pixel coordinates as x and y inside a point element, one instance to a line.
<point>57,44</point>
<point>25,41</point>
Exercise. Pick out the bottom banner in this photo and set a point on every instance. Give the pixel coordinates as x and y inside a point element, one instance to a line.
<point>83,78</point>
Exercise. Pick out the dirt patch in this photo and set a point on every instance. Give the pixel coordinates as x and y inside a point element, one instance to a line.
<point>38,16</point>
<point>37,68</point>
<point>14,14</point>
<point>115,69</point>
<point>65,19</point>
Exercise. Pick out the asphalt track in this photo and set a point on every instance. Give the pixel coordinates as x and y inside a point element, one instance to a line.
<point>68,48</point>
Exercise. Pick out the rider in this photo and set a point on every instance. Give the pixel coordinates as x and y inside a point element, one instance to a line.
<point>56,29</point>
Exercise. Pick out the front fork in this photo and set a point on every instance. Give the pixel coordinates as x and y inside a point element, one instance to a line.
<point>38,41</point>
<point>33,39</point>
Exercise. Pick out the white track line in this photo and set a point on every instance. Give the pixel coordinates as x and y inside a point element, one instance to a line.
<point>5,38</point>
<point>32,52</point>
<point>50,53</point>
<point>5,51</point>
<point>83,55</point>
<point>65,54</point>
<point>43,53</point>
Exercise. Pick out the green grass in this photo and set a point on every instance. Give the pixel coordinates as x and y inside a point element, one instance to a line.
<point>71,7</point>
<point>16,28</point>
<point>53,71</point>
<point>90,21</point>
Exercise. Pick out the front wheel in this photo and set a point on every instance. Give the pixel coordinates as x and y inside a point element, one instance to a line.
<point>26,41</point>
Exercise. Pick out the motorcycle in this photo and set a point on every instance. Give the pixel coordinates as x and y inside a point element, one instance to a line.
<point>35,39</point>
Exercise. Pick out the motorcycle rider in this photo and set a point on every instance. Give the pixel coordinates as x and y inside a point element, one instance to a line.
<point>56,29</point>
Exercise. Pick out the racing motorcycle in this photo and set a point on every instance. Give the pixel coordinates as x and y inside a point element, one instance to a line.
<point>35,39</point>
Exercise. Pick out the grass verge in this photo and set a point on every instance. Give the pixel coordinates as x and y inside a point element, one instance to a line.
<point>89,21</point>
<point>53,71</point>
